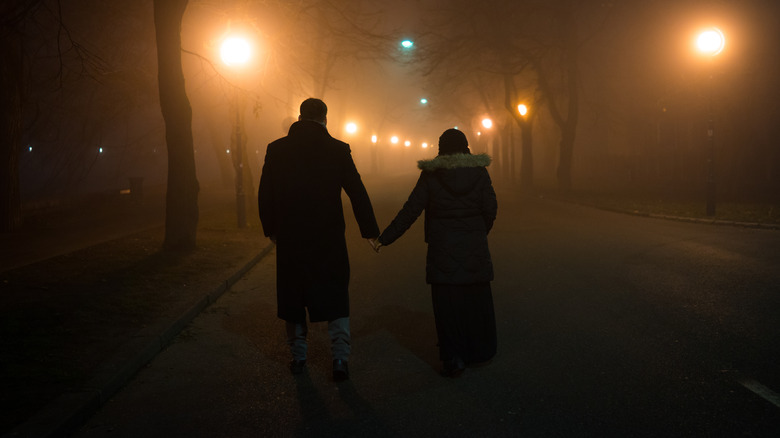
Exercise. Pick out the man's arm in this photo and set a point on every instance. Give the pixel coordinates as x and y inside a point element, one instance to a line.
<point>358,197</point>
<point>265,196</point>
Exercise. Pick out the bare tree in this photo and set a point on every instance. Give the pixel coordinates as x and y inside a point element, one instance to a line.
<point>535,43</point>
<point>181,218</point>
<point>13,17</point>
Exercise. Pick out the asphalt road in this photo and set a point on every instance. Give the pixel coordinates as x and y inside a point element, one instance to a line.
<point>608,325</point>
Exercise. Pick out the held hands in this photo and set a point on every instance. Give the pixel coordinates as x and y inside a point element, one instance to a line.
<point>375,244</point>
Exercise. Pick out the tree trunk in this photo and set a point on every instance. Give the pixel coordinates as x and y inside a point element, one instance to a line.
<point>11,90</point>
<point>566,159</point>
<point>527,158</point>
<point>569,128</point>
<point>181,212</point>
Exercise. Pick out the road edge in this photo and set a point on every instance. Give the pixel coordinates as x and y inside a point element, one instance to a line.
<point>66,414</point>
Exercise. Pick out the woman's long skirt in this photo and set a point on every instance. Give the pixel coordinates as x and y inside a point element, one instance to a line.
<point>465,321</point>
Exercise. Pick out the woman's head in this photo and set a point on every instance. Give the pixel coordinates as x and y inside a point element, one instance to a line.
<point>453,141</point>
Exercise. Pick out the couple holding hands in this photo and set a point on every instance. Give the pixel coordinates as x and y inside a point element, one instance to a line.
<point>299,200</point>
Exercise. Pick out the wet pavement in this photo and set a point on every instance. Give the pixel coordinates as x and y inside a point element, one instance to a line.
<point>608,325</point>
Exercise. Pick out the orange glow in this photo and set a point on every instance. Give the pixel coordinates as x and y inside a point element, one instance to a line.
<point>711,41</point>
<point>235,51</point>
<point>522,109</point>
<point>487,123</point>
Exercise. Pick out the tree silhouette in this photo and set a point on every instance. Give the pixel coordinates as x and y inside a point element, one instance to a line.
<point>181,215</point>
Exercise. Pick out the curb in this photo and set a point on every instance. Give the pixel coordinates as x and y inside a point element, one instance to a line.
<point>706,221</point>
<point>67,413</point>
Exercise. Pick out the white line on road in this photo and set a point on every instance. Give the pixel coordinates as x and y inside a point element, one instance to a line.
<point>761,390</point>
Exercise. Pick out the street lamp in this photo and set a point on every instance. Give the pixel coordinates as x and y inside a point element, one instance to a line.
<point>710,43</point>
<point>351,127</point>
<point>526,164</point>
<point>487,123</point>
<point>236,53</point>
<point>522,109</point>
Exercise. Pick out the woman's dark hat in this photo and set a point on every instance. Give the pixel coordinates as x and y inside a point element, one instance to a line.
<point>453,141</point>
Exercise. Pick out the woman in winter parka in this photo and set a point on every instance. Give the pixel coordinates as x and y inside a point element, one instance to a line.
<point>460,206</point>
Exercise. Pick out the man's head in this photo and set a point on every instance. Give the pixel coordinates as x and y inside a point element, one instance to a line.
<point>315,110</point>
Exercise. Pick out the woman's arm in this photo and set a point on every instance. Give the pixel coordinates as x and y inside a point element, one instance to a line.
<point>411,210</point>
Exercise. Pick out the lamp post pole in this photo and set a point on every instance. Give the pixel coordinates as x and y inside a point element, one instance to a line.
<point>710,43</point>
<point>240,200</point>
<point>710,153</point>
<point>236,53</point>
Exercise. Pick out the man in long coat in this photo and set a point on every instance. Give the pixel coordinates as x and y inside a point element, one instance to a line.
<point>300,206</point>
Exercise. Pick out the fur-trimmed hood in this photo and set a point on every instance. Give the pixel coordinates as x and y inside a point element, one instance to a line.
<point>458,173</point>
<point>454,161</point>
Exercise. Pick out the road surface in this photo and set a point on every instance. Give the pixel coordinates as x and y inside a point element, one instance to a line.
<point>608,325</point>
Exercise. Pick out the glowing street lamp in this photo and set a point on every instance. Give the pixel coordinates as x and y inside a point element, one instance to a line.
<point>351,127</point>
<point>487,123</point>
<point>236,53</point>
<point>394,139</point>
<point>522,109</point>
<point>407,44</point>
<point>710,42</point>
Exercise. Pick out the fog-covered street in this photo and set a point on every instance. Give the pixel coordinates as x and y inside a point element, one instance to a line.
<point>608,325</point>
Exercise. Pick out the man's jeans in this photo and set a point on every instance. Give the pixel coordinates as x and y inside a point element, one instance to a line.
<point>338,329</point>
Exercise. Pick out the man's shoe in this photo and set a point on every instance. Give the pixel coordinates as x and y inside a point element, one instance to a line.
<point>340,370</point>
<point>453,368</point>
<point>297,366</point>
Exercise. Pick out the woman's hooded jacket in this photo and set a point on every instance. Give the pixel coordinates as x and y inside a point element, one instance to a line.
<point>457,195</point>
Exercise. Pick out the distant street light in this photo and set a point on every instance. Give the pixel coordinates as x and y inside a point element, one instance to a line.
<point>487,123</point>
<point>351,127</point>
<point>374,154</point>
<point>522,109</point>
<point>394,139</point>
<point>423,101</point>
<point>407,44</point>
<point>235,53</point>
<point>710,42</point>
<point>526,164</point>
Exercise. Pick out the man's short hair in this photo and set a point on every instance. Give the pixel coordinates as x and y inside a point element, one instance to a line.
<point>313,109</point>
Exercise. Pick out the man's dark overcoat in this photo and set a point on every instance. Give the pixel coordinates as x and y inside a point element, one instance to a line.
<point>457,195</point>
<point>299,199</point>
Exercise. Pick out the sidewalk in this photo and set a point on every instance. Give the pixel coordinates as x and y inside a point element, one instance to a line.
<point>90,299</point>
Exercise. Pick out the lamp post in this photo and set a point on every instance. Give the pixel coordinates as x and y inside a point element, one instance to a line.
<point>710,43</point>
<point>526,166</point>
<point>235,53</point>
